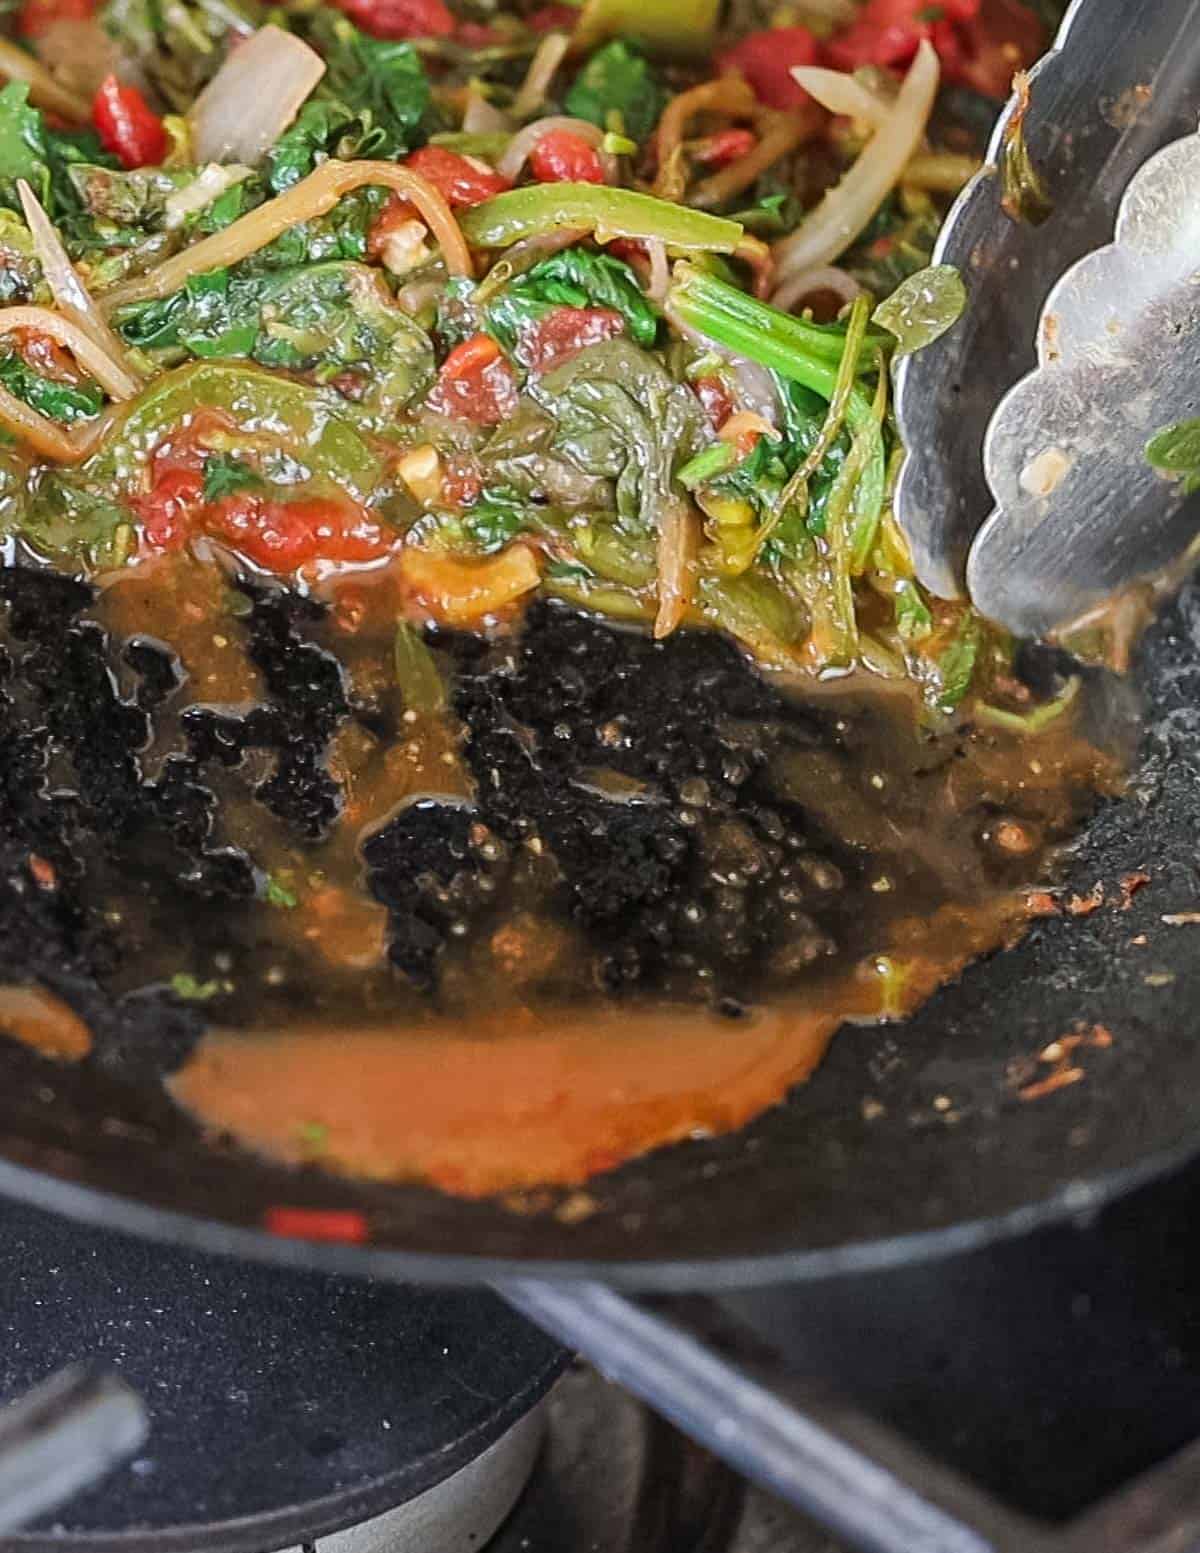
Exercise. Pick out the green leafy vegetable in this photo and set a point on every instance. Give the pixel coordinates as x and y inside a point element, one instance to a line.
<point>192,989</point>
<point>1024,196</point>
<point>278,894</point>
<point>64,402</point>
<point>225,475</point>
<point>574,278</point>
<point>43,157</point>
<point>546,207</point>
<point>956,664</point>
<point>618,89</point>
<point>923,307</point>
<point>417,672</point>
<point>913,619</point>
<point>326,317</point>
<point>1176,451</point>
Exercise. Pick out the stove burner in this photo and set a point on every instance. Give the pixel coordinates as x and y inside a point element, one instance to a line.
<point>285,1405</point>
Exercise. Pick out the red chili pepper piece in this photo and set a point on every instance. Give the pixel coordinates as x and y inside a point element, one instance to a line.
<point>476,383</point>
<point>400,18</point>
<point>727,145</point>
<point>564,332</point>
<point>127,125</point>
<point>37,16</point>
<point>333,1224</point>
<point>561,157</point>
<point>716,400</point>
<point>767,59</point>
<point>463,180</point>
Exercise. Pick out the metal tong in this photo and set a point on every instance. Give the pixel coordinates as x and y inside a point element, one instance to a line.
<point>1101,338</point>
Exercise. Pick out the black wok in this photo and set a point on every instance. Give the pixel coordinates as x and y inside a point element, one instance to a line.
<point>910,1139</point>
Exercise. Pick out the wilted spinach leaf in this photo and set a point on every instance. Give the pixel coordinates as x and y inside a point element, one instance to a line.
<point>617,80</point>
<point>574,278</point>
<point>64,402</point>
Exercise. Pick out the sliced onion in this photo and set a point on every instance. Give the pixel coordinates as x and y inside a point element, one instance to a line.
<point>110,374</point>
<point>843,94</point>
<point>254,96</point>
<point>824,277</point>
<point>550,53</point>
<point>71,296</point>
<point>677,541</point>
<point>727,94</point>
<point>44,90</point>
<point>847,209</point>
<point>783,133</point>
<point>510,164</point>
<point>481,117</point>
<point>311,197</point>
<point>756,389</point>
<point>660,271</point>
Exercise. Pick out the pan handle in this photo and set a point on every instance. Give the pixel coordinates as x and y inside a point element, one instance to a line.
<point>62,1436</point>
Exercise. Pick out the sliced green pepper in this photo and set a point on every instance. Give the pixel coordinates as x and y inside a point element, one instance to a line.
<point>608,213</point>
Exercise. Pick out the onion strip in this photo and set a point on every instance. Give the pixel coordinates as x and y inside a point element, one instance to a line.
<point>519,148</point>
<point>254,96</point>
<point>825,277</point>
<point>659,280</point>
<point>677,541</point>
<point>847,209</point>
<point>110,375</point>
<point>843,94</point>
<point>312,196</point>
<point>44,90</point>
<point>74,301</point>
<point>783,132</point>
<point>727,94</point>
<point>550,53</point>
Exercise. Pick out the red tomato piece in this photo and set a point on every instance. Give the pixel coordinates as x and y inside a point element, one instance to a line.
<point>400,18</point>
<point>727,145</point>
<point>282,536</point>
<point>561,157</point>
<point>564,332</point>
<point>888,32</point>
<point>166,513</point>
<point>475,35</point>
<point>476,383</point>
<point>333,1224</point>
<point>37,16</point>
<point>127,125</point>
<point>766,59</point>
<point>716,400</point>
<point>463,180</point>
<point>553,18</point>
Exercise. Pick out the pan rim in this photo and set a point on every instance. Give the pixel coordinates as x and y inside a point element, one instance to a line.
<point>1074,1200</point>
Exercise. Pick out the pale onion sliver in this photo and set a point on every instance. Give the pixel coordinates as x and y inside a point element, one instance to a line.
<point>843,94</point>
<point>550,53</point>
<point>254,96</point>
<point>847,209</point>
<point>110,375</point>
<point>72,297</point>
<point>825,277</point>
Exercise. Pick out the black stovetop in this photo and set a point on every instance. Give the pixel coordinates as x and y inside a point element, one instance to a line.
<point>1010,1390</point>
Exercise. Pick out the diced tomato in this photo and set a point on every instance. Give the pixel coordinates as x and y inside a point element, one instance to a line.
<point>400,18</point>
<point>631,249</point>
<point>767,59</point>
<point>476,383</point>
<point>166,514</point>
<point>887,33</point>
<point>477,35</point>
<point>561,157</point>
<point>463,180</point>
<point>727,145</point>
<point>716,400</point>
<point>282,536</point>
<point>1005,37</point>
<point>333,1224</point>
<point>553,18</point>
<point>564,332</point>
<point>127,125</point>
<point>44,356</point>
<point>462,482</point>
<point>37,16</point>
<point>394,214</point>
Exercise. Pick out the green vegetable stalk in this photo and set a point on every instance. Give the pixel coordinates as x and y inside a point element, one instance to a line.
<point>606,212</point>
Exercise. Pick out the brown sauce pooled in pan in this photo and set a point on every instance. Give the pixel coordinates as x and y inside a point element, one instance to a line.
<point>477,1011</point>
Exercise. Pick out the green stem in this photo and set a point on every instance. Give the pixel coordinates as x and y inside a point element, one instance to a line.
<point>608,213</point>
